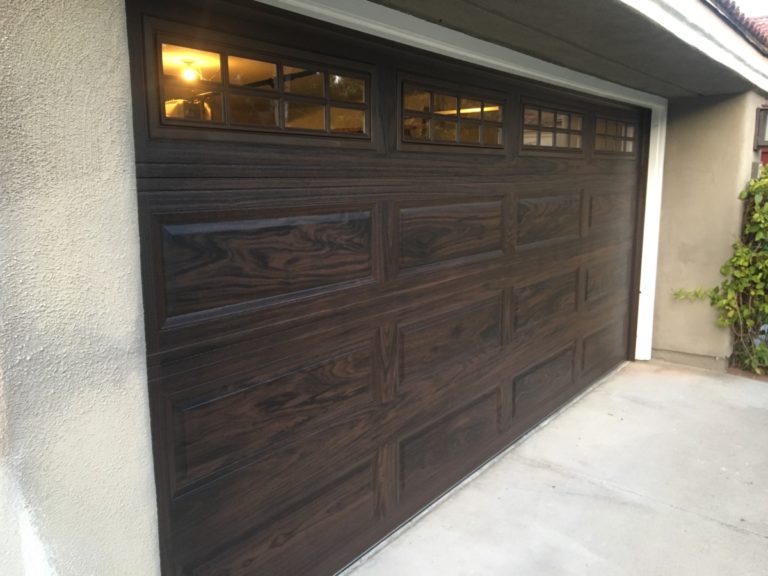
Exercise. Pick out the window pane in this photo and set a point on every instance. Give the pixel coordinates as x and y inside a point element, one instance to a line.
<point>575,141</point>
<point>347,89</point>
<point>415,128</point>
<point>629,146</point>
<point>631,130</point>
<point>190,103</point>
<point>303,81</point>
<point>492,111</point>
<point>191,65</point>
<point>600,126</point>
<point>610,128</point>
<point>530,137</point>
<point>446,105</point>
<point>561,140</point>
<point>493,136</point>
<point>562,120</point>
<point>252,73</point>
<point>470,133</point>
<point>444,111</point>
<point>471,108</point>
<point>576,121</point>
<point>445,131</point>
<point>620,127</point>
<point>253,110</point>
<point>547,138</point>
<point>531,116</point>
<point>347,121</point>
<point>302,115</point>
<point>416,99</point>
<point>547,119</point>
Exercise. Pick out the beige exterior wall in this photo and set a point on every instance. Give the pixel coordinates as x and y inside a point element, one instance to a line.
<point>77,491</point>
<point>709,159</point>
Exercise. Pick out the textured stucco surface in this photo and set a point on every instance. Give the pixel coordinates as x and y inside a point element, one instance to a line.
<point>709,160</point>
<point>76,478</point>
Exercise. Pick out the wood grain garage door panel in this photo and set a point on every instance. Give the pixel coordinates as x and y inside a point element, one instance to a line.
<point>546,299</point>
<point>606,279</point>
<point>611,210</point>
<point>540,386</point>
<point>340,327</point>
<point>219,263</point>
<point>604,348</point>
<point>335,515</point>
<point>432,234</point>
<point>548,219</point>
<point>252,415</point>
<point>430,458</point>
<point>430,344</point>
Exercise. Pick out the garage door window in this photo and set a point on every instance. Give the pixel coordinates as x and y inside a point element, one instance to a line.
<point>442,117</point>
<point>615,136</point>
<point>552,129</point>
<point>209,87</point>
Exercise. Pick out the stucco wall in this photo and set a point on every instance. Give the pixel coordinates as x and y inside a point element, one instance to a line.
<point>709,160</point>
<point>76,478</point>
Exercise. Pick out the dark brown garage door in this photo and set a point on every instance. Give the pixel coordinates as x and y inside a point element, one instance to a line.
<point>367,270</point>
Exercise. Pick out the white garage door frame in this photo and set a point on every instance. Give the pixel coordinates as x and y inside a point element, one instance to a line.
<point>377,20</point>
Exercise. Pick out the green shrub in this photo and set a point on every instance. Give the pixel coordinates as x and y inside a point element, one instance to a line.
<point>741,299</point>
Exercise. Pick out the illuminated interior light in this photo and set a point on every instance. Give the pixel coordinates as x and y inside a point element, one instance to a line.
<point>188,73</point>
<point>467,111</point>
<point>190,65</point>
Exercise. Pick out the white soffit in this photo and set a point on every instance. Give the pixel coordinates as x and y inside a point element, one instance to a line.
<point>402,28</point>
<point>699,26</point>
<point>384,22</point>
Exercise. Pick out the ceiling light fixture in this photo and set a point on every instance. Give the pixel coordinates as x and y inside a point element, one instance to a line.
<point>188,72</point>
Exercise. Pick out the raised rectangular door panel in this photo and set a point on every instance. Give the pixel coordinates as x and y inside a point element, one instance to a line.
<point>430,458</point>
<point>540,302</point>
<point>548,219</point>
<point>210,264</point>
<point>430,234</point>
<point>604,348</point>
<point>335,515</point>
<point>606,279</point>
<point>610,211</point>
<point>537,389</point>
<point>429,344</point>
<point>251,416</point>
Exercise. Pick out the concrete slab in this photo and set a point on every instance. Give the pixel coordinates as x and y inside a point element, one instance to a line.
<point>658,470</point>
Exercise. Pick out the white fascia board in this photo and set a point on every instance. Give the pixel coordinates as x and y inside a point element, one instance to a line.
<point>383,22</point>
<point>699,26</point>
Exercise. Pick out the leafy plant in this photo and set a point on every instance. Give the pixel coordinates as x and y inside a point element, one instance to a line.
<point>741,299</point>
<point>691,295</point>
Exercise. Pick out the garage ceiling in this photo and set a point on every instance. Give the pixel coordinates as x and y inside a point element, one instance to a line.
<point>604,38</point>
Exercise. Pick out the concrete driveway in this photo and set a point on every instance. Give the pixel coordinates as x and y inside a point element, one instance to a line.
<point>659,470</point>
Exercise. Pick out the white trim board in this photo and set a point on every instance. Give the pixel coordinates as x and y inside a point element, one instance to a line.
<point>696,24</point>
<point>390,24</point>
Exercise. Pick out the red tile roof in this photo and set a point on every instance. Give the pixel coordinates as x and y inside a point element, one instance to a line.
<point>760,24</point>
<point>754,30</point>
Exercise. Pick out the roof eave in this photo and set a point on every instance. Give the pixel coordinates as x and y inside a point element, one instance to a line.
<point>731,14</point>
